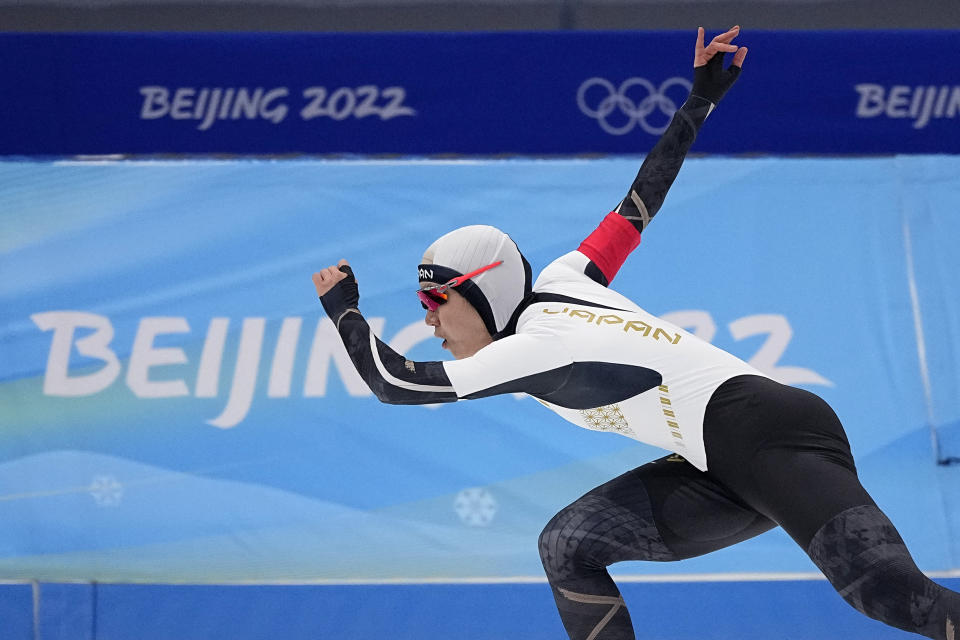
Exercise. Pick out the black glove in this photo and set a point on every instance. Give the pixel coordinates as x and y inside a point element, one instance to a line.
<point>343,296</point>
<point>711,80</point>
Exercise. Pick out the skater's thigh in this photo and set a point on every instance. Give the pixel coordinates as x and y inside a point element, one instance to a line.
<point>692,512</point>
<point>804,490</point>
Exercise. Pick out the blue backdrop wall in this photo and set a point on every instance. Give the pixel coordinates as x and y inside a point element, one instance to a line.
<point>177,408</point>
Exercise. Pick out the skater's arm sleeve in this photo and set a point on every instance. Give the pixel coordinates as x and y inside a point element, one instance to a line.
<point>662,164</point>
<point>516,364</point>
<point>711,81</point>
<point>390,376</point>
<point>619,233</point>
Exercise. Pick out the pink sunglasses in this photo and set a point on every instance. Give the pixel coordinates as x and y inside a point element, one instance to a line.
<point>435,295</point>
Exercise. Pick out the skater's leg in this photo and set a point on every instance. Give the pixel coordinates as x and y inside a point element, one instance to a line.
<point>803,477</point>
<point>665,510</point>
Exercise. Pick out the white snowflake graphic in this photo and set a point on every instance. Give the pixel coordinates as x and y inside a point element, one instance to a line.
<point>475,506</point>
<point>106,491</point>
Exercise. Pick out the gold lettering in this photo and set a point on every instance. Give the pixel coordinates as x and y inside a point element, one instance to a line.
<point>609,319</point>
<point>664,388</point>
<point>664,400</point>
<point>656,336</point>
<point>676,434</point>
<point>637,324</point>
<point>672,424</point>
<point>669,414</point>
<point>582,313</point>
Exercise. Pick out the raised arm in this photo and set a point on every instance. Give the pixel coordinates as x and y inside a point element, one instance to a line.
<point>515,364</point>
<point>661,166</point>
<point>390,376</point>
<point>609,245</point>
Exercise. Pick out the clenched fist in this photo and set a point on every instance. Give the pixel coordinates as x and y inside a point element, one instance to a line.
<point>325,279</point>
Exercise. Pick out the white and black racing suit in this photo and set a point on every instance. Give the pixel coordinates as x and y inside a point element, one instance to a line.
<point>753,453</point>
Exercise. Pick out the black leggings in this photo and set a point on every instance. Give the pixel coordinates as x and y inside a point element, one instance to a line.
<point>776,456</point>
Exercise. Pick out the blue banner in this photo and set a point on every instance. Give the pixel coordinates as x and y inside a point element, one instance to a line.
<point>838,92</point>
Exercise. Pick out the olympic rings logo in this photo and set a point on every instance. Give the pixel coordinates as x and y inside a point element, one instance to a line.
<point>636,112</point>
